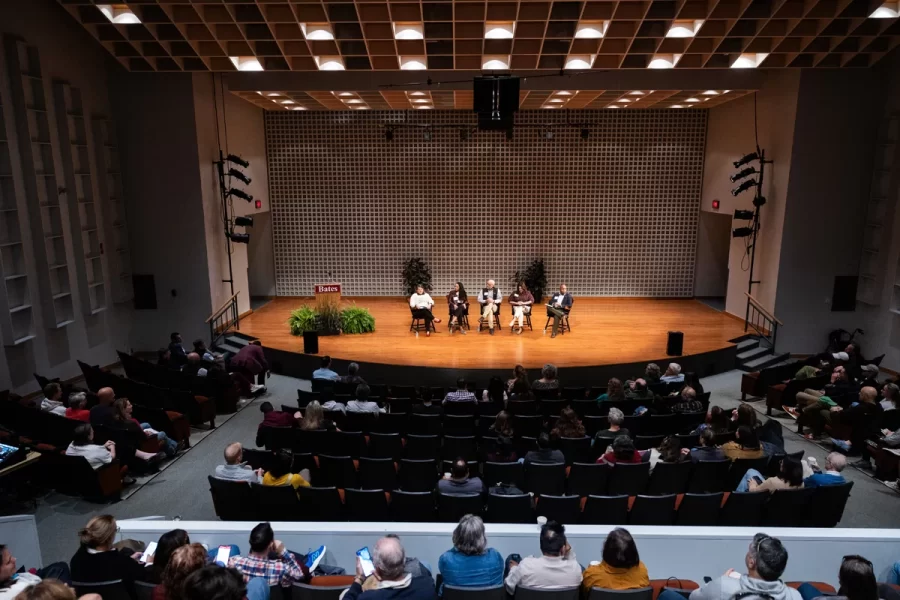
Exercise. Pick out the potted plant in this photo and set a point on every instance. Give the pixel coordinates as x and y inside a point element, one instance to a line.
<point>302,319</point>
<point>416,272</point>
<point>355,319</point>
<point>535,277</point>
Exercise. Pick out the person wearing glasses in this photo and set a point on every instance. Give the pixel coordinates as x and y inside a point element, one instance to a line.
<point>559,306</point>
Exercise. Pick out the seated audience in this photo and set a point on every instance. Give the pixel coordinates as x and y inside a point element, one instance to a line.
<point>201,349</point>
<point>765,561</point>
<point>557,567</point>
<point>890,418</point>
<point>717,421</point>
<point>457,481</point>
<point>83,445</point>
<point>77,410</point>
<point>707,450</point>
<point>568,425</point>
<point>234,469</point>
<point>181,562</point>
<point>638,390</point>
<point>840,386</point>
<point>391,579</point>
<point>495,393</point>
<point>168,543</point>
<point>470,563</point>
<point>52,400</point>
<point>461,394</point>
<point>623,451</point>
<point>745,445</point>
<point>790,476</point>
<point>48,589</point>
<point>548,381</point>
<point>520,383</point>
<point>615,391</point>
<point>856,579</point>
<point>194,366</point>
<point>425,405</point>
<point>250,361</point>
<point>324,371</point>
<point>615,417</point>
<point>274,418</point>
<point>862,418</point>
<point>164,358</point>
<point>502,425</point>
<point>96,560</point>
<point>352,377</point>
<point>621,568</point>
<point>503,452</point>
<point>123,421</point>
<point>280,473</point>
<point>213,582</point>
<point>652,373</point>
<point>693,380</point>
<point>673,374</point>
<point>669,451</point>
<point>102,413</point>
<point>314,419</point>
<point>686,401</point>
<point>12,583</point>
<point>834,464</point>
<point>362,404</point>
<point>545,453</point>
<point>176,350</point>
<point>743,415</point>
<point>269,559</point>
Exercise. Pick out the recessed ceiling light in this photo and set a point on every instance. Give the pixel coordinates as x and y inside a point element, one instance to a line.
<point>423,107</point>
<point>725,91</point>
<point>329,63</point>
<point>888,10</point>
<point>120,14</point>
<point>551,106</point>
<point>684,28</point>
<point>345,94</point>
<point>287,101</point>
<point>494,62</point>
<point>692,100</point>
<point>556,100</point>
<point>317,31</point>
<point>415,94</point>
<point>408,31</point>
<point>624,100</point>
<point>499,30</point>
<point>259,92</point>
<point>663,61</point>
<point>591,29</point>
<point>421,101</point>
<point>749,60</point>
<point>360,108</point>
<point>564,93</point>
<point>676,106</point>
<point>612,106</point>
<point>710,93</point>
<point>581,61</point>
<point>246,63</point>
<point>413,63</point>
<point>352,101</point>
<point>637,93</point>
<point>297,108</point>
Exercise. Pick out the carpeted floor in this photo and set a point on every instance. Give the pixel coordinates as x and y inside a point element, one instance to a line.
<point>182,490</point>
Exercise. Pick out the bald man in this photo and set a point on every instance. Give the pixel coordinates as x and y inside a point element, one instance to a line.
<point>234,469</point>
<point>834,464</point>
<point>102,414</point>
<point>861,418</point>
<point>391,579</point>
<point>490,299</point>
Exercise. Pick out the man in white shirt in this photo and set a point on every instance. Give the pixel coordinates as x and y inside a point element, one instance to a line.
<point>52,400</point>
<point>362,404</point>
<point>82,445</point>
<point>556,568</point>
<point>421,304</point>
<point>673,374</point>
<point>490,299</point>
<point>234,469</point>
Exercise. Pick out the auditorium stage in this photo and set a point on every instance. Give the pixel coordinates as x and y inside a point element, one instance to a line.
<point>609,337</point>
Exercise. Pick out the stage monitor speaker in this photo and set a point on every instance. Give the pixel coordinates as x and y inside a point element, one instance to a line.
<point>495,99</point>
<point>843,296</point>
<point>310,342</point>
<point>675,345</point>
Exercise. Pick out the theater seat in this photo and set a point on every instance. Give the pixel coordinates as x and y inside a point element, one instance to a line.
<point>509,508</point>
<point>678,585</point>
<point>452,592</point>
<point>314,591</point>
<point>569,593</point>
<point>415,507</point>
<point>562,509</point>
<point>604,594</point>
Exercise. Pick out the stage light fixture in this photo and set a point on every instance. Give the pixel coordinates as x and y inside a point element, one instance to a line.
<point>240,194</point>
<point>238,161</point>
<point>750,157</point>
<point>239,176</point>
<point>746,185</point>
<point>743,173</point>
<point>744,215</point>
<point>239,238</point>
<point>243,221</point>
<point>389,134</point>
<point>742,232</point>
<point>759,201</point>
<point>585,133</point>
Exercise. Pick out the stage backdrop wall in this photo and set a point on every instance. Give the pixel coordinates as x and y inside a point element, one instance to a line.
<point>613,215</point>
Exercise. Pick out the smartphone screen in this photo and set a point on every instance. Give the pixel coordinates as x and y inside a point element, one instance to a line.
<point>365,559</point>
<point>150,551</point>
<point>758,480</point>
<point>222,555</point>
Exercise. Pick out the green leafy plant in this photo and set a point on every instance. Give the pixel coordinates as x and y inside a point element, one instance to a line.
<point>302,319</point>
<point>416,272</point>
<point>535,277</point>
<point>328,320</point>
<point>355,319</point>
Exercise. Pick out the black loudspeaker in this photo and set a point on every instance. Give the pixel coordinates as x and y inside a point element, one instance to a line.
<point>310,342</point>
<point>144,292</point>
<point>495,99</point>
<point>843,297</point>
<point>675,345</point>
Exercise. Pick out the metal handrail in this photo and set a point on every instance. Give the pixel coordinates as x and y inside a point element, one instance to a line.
<point>222,308</point>
<point>224,319</point>
<point>764,323</point>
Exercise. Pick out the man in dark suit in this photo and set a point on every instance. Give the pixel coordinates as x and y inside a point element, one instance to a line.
<point>559,306</point>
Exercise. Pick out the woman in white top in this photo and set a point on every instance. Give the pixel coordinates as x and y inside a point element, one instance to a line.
<point>421,304</point>
<point>82,445</point>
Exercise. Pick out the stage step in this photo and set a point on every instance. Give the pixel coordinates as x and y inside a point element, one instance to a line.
<point>239,341</point>
<point>767,360</point>
<point>751,353</point>
<point>223,348</point>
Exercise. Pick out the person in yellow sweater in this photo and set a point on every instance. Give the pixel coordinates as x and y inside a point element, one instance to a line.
<point>621,568</point>
<point>279,474</point>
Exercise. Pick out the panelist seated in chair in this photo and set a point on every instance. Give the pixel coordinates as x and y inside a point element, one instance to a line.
<point>521,301</point>
<point>559,306</point>
<point>490,298</point>
<point>458,301</point>
<point>421,305</point>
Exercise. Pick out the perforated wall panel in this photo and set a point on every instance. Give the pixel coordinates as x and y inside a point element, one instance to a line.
<point>613,215</point>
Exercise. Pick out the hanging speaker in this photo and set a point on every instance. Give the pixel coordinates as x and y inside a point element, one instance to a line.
<point>310,342</point>
<point>675,344</point>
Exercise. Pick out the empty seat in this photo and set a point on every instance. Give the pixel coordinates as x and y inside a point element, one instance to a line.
<point>506,508</point>
<point>459,425</point>
<point>662,424</point>
<point>689,440</point>
<point>377,474</point>
<point>828,505</point>
<point>743,509</point>
<point>699,509</point>
<point>637,425</point>
<point>456,447</point>
<point>320,504</point>
<point>628,478</point>
<point>385,445</point>
<point>575,449</point>
<point>277,503</point>
<point>645,442</point>
<point>586,479</point>
<point>593,424</point>
<point>453,507</point>
<point>452,592</point>
<point>548,478</point>
<point>336,471</point>
<point>551,408</point>
<point>393,422</point>
<point>562,509</point>
<point>424,424</point>
<point>305,591</point>
<point>787,508</point>
<point>423,446</point>
<point>230,498</point>
<point>418,475</point>
<point>460,408</point>
<point>605,510</point>
<point>108,590</point>
<point>360,421</point>
<point>689,421</point>
<point>669,478</point>
<point>653,510</point>
<point>604,594</point>
<point>522,408</point>
<point>585,407</point>
<point>709,476</point>
<point>366,505</point>
<point>510,473</point>
<point>416,507</point>
<point>528,425</point>
<point>524,593</point>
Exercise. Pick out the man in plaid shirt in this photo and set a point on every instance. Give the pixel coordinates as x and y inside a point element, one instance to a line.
<point>282,570</point>
<point>462,393</point>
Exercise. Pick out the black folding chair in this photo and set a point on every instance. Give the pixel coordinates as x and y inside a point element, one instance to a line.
<point>604,594</point>
<point>605,510</point>
<point>653,510</point>
<point>545,478</point>
<point>506,508</point>
<point>628,478</point>
<point>562,509</point>
<point>786,507</point>
<point>524,593</point>
<point>452,592</point>
<point>699,509</point>
<point>828,505</point>
<point>415,507</point>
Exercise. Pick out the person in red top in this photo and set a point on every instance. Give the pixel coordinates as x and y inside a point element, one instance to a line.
<point>275,418</point>
<point>250,361</point>
<point>623,451</point>
<point>76,409</point>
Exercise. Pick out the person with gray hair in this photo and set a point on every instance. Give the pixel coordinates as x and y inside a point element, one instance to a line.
<point>834,464</point>
<point>391,579</point>
<point>766,560</point>
<point>76,409</point>
<point>549,380</point>
<point>470,563</point>
<point>352,377</point>
<point>615,417</point>
<point>673,374</point>
<point>490,298</point>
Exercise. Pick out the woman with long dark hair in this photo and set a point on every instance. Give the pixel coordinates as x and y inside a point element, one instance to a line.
<point>790,476</point>
<point>621,568</point>
<point>458,301</point>
<point>495,393</point>
<point>519,384</point>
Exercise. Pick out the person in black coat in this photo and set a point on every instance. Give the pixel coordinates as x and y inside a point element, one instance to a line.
<point>96,560</point>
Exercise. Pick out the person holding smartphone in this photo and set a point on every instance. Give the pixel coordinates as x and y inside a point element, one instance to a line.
<point>790,476</point>
<point>388,577</point>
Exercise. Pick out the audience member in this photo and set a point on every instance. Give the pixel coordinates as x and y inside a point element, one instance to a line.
<point>615,391</point>
<point>840,386</point>
<point>687,402</point>
<point>82,445</point>
<point>717,421</point>
<point>556,568</point>
<point>102,413</point>
<point>765,561</point>
<point>470,563</point>
<point>279,473</point>
<point>96,560</point>
<point>790,476</point>
<point>743,415</point>
<point>352,377</point>
<point>638,390</point>
<point>862,418</point>
<point>621,568</point>
<point>168,543</point>
<point>519,384</point>
<point>194,366</point>
<point>890,418</point>
<point>251,362</point>
<point>183,560</point>
<point>503,452</point>
<point>177,351</point>
<point>834,464</point>
<point>568,425</point>
<point>362,404</point>
<point>122,420</point>
<point>213,582</point>
<point>461,394</point>
<point>324,371</point>
<point>652,373</point>
<point>457,481</point>
<point>545,453</point>
<point>495,393</point>
<point>314,419</point>
<point>615,417</point>
<point>425,405</point>
<point>623,451</point>
<point>234,469</point>
<point>669,451</point>
<point>745,445</point>
<point>391,579</point>
<point>548,381</point>
<point>274,418</point>
<point>269,559</point>
<point>48,589</point>
<point>673,374</point>
<point>12,582</point>
<point>164,358</point>
<point>201,349</point>
<point>707,450</point>
<point>502,425</point>
<point>693,380</point>
<point>77,410</point>
<point>52,400</point>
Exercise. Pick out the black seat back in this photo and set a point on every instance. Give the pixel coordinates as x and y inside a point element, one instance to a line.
<point>459,425</point>
<point>653,510</point>
<point>510,473</point>
<point>604,594</point>
<point>548,478</point>
<point>452,592</point>
<point>416,507</point>
<point>424,424</point>
<point>230,498</point>
<point>740,466</point>
<point>377,474</point>
<point>277,503</point>
<point>670,478</point>
<point>743,509</point>
<point>453,507</point>
<point>528,425</point>
<point>304,591</point>
<point>699,509</point>
<point>786,508</point>
<point>828,504</point>
<point>629,478</point>
<point>423,446</point>
<point>337,471</point>
<point>108,590</point>
<point>385,445</point>
<point>509,508</point>
<point>562,509</point>
<point>320,504</point>
<point>418,475</point>
<point>366,505</point>
<point>709,476</point>
<point>524,593</point>
<point>586,479</point>
<point>605,510</point>
<point>456,447</point>
<point>575,449</point>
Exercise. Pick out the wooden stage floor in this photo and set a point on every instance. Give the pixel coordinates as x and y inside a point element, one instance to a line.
<point>605,331</point>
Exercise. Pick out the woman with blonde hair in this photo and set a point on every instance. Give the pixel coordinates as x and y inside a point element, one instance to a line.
<point>314,418</point>
<point>51,589</point>
<point>96,560</point>
<point>184,561</point>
